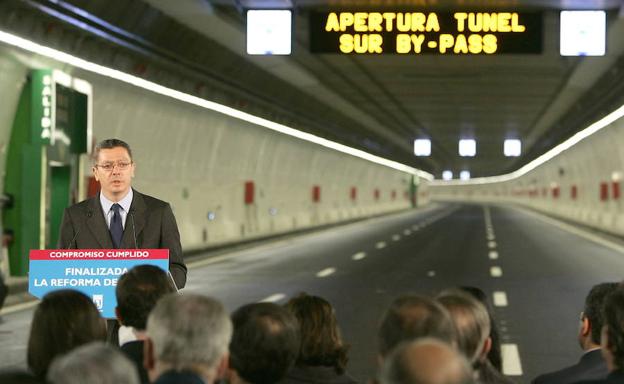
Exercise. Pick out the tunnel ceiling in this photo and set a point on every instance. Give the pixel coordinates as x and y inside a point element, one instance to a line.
<point>376,103</point>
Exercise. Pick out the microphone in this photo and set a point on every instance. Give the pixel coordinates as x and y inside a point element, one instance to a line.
<point>89,214</point>
<point>131,213</point>
<point>73,238</point>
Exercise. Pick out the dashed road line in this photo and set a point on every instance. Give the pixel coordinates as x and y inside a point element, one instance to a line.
<point>359,256</point>
<point>326,272</point>
<point>396,237</point>
<point>493,255</point>
<point>415,227</point>
<point>407,232</point>
<point>500,299</point>
<point>380,245</point>
<point>511,360</point>
<point>431,273</point>
<point>492,244</point>
<point>496,272</point>
<point>273,298</point>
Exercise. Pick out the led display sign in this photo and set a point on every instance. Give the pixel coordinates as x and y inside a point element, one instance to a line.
<point>448,33</point>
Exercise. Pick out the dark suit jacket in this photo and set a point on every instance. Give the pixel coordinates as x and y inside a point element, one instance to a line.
<point>591,367</point>
<point>149,224</point>
<point>615,377</point>
<point>174,377</point>
<point>134,351</point>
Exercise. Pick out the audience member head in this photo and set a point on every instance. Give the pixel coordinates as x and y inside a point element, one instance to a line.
<point>63,320</point>
<point>411,317</point>
<point>187,333</point>
<point>321,342</point>
<point>472,324</point>
<point>426,361</point>
<point>93,363</point>
<point>264,345</point>
<point>612,338</point>
<point>494,356</point>
<point>18,376</point>
<point>591,317</point>
<point>137,292</point>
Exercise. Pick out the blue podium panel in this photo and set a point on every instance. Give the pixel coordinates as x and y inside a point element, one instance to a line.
<point>93,272</point>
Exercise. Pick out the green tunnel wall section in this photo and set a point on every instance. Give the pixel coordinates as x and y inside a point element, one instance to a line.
<point>48,134</point>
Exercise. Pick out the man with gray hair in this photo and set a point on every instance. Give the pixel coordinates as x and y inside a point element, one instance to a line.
<point>426,361</point>
<point>187,340</point>
<point>93,363</point>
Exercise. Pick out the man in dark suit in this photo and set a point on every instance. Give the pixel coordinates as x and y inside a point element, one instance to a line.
<point>591,366</point>
<point>119,216</point>
<point>612,338</point>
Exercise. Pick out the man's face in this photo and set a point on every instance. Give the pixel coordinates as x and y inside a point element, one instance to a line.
<point>114,170</point>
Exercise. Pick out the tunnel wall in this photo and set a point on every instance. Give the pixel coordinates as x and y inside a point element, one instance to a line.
<point>582,184</point>
<point>227,180</point>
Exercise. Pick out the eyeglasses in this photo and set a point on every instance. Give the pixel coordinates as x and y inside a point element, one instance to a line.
<point>122,166</point>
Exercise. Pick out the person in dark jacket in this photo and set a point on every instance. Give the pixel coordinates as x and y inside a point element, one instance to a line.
<point>323,356</point>
<point>612,338</point>
<point>591,366</point>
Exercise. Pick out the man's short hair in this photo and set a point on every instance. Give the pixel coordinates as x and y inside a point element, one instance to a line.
<point>265,342</point>
<point>94,363</point>
<point>425,361</point>
<point>138,291</point>
<point>593,307</point>
<point>471,319</point>
<point>110,144</point>
<point>189,330</point>
<point>613,317</point>
<point>414,316</point>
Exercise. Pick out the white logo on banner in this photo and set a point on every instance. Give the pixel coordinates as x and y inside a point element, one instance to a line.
<point>98,300</point>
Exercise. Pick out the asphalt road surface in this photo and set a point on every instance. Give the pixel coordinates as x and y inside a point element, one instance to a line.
<point>535,270</point>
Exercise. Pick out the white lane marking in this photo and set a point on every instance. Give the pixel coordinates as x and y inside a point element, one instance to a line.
<point>380,245</point>
<point>492,244</point>
<point>491,237</point>
<point>273,298</point>
<point>415,227</point>
<point>493,255</point>
<point>496,272</point>
<point>359,256</point>
<point>511,360</point>
<point>500,299</point>
<point>576,231</point>
<point>431,273</point>
<point>18,307</point>
<point>326,272</point>
<point>396,237</point>
<point>407,232</point>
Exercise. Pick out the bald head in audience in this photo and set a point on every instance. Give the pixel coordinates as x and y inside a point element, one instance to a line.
<point>472,323</point>
<point>426,361</point>
<point>410,317</point>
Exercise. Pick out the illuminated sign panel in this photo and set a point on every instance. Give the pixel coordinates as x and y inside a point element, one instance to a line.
<point>449,33</point>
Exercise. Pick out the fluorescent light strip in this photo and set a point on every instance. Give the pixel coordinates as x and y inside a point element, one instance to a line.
<point>156,88</point>
<point>572,141</point>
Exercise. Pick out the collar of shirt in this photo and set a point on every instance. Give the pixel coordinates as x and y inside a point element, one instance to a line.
<point>125,203</point>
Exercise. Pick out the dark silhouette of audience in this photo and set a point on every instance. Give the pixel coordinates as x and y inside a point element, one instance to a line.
<point>137,292</point>
<point>63,320</point>
<point>173,339</point>
<point>591,366</point>
<point>322,357</point>
<point>265,344</point>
